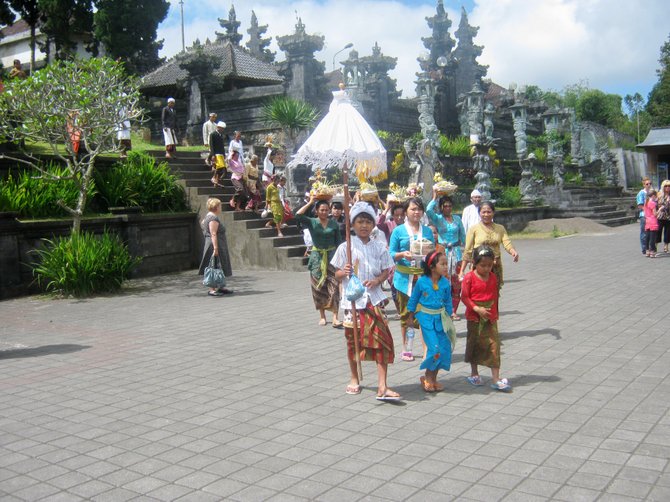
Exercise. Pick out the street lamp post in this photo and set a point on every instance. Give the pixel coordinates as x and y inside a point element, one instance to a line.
<point>348,46</point>
<point>181,6</point>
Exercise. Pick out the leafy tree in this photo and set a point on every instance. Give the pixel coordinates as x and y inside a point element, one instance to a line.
<point>658,104</point>
<point>291,115</point>
<point>634,105</point>
<point>127,30</point>
<point>63,22</point>
<point>6,14</point>
<point>30,12</point>
<point>66,101</point>
<point>596,106</point>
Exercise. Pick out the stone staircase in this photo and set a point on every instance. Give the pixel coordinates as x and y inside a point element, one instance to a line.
<point>251,244</point>
<point>605,205</point>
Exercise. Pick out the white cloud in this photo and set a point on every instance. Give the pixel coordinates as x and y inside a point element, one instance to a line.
<point>614,44</point>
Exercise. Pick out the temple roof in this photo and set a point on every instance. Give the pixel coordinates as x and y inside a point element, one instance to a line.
<point>236,63</point>
<point>658,136</point>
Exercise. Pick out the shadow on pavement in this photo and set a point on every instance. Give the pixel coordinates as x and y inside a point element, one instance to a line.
<point>44,350</point>
<point>532,332</point>
<point>183,284</point>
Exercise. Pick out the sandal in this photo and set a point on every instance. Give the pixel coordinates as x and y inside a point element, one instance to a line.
<point>407,356</point>
<point>337,324</point>
<point>502,385</point>
<point>388,395</point>
<point>475,380</point>
<point>225,291</point>
<point>214,293</point>
<point>353,389</point>
<point>438,387</point>
<point>426,385</point>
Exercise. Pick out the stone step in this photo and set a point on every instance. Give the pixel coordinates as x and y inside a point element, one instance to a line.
<point>616,222</point>
<point>290,240</point>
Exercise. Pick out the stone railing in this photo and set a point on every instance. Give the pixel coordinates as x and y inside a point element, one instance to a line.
<point>165,242</point>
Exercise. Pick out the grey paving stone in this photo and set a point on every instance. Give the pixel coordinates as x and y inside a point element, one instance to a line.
<point>156,399</point>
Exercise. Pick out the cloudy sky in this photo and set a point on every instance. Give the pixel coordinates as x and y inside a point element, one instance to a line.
<point>611,44</point>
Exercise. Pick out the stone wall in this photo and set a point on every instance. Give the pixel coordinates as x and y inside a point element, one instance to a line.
<point>165,242</point>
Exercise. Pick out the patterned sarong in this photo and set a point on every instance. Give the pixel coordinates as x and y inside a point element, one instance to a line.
<point>374,335</point>
<point>483,342</point>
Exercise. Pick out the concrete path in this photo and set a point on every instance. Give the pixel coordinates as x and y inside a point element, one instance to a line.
<point>163,393</point>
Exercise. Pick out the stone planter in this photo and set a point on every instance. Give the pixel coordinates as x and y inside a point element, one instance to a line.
<point>126,210</point>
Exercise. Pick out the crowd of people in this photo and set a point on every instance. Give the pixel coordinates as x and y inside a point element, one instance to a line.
<point>654,207</point>
<point>420,254</point>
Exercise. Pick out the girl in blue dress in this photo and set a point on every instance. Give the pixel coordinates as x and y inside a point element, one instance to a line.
<point>451,234</point>
<point>431,304</point>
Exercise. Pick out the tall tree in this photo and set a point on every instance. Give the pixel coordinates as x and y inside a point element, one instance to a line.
<point>658,104</point>
<point>634,104</point>
<point>30,12</point>
<point>127,30</point>
<point>70,103</point>
<point>66,23</point>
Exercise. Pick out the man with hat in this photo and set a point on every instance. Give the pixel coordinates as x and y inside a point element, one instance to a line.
<point>216,152</point>
<point>471,213</point>
<point>371,263</point>
<point>169,120</point>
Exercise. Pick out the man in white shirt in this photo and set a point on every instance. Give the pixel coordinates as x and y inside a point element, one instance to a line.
<point>471,213</point>
<point>207,129</point>
<point>236,146</point>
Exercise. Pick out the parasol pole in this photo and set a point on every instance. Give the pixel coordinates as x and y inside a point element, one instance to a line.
<point>354,315</point>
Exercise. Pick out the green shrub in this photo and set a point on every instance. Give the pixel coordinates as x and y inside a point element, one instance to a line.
<point>573,179</point>
<point>82,264</point>
<point>510,197</point>
<point>456,147</point>
<point>139,181</point>
<point>34,195</point>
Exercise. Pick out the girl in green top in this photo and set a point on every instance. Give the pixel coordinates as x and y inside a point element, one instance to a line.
<point>325,237</point>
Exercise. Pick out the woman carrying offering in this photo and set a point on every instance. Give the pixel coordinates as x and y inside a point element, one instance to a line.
<point>487,233</point>
<point>431,304</point>
<point>325,238</point>
<point>451,234</point>
<point>273,203</point>
<point>480,296</point>
<point>215,244</point>
<point>371,263</point>
<point>407,268</point>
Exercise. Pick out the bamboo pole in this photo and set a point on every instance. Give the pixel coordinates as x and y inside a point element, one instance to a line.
<point>354,314</point>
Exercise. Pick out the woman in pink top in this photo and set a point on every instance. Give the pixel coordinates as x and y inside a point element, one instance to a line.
<point>236,168</point>
<point>650,223</point>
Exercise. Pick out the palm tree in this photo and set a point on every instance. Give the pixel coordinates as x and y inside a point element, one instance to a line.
<point>292,116</point>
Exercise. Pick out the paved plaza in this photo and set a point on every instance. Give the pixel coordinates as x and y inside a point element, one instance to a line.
<point>163,393</point>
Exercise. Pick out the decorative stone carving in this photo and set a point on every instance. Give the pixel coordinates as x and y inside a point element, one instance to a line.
<point>482,165</point>
<point>519,122</point>
<point>231,25</point>
<point>530,188</point>
<point>257,45</point>
<point>489,113</point>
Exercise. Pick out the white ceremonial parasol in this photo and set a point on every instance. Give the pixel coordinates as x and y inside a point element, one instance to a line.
<point>344,139</point>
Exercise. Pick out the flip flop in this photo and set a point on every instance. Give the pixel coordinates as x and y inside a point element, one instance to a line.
<point>502,385</point>
<point>386,397</point>
<point>214,293</point>
<point>475,380</point>
<point>225,291</point>
<point>353,389</point>
<point>338,324</point>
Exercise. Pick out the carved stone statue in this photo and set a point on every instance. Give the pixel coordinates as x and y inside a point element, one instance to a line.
<point>519,123</point>
<point>530,188</point>
<point>483,166</point>
<point>489,112</point>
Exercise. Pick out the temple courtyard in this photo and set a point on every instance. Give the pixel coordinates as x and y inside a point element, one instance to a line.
<point>163,393</point>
